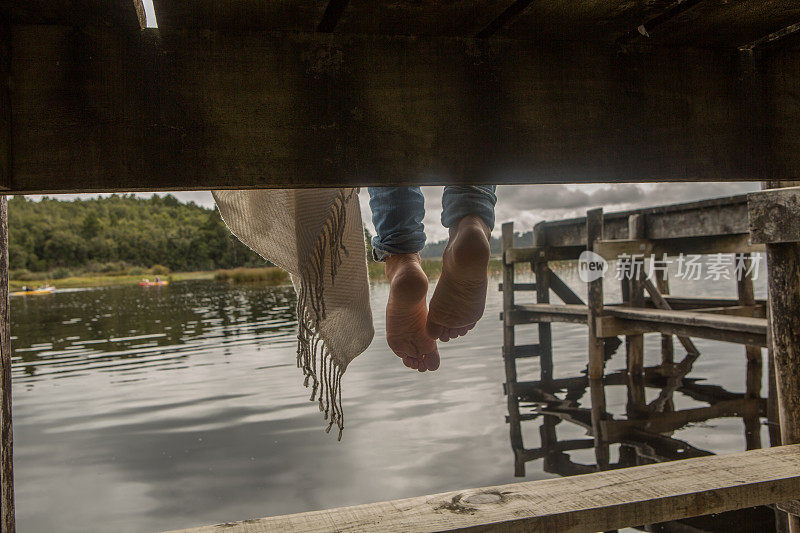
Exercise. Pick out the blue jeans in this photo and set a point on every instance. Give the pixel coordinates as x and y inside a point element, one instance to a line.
<point>397,213</point>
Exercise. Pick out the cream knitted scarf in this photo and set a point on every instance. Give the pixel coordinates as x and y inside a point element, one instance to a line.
<point>317,236</point>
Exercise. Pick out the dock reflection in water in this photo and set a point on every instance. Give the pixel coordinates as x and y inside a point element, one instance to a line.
<point>560,409</point>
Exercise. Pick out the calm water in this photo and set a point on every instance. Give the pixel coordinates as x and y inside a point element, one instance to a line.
<point>151,409</point>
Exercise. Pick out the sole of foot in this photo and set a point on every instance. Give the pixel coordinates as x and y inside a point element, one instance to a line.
<point>460,294</point>
<point>407,313</point>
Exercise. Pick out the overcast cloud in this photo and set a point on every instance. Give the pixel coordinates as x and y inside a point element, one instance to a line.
<point>526,205</point>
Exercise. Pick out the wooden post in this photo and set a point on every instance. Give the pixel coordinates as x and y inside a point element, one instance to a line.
<point>508,349</point>
<point>594,301</point>
<point>635,343</point>
<point>774,222</point>
<point>542,272</point>
<point>746,295</point>
<point>667,346</point>
<point>6,436</point>
<point>783,267</point>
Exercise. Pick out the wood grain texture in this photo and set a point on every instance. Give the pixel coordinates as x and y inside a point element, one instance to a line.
<point>241,15</point>
<point>542,273</point>
<point>117,14</point>
<point>689,220</point>
<point>592,502</point>
<point>6,433</point>
<point>725,23</point>
<point>774,215</point>
<point>5,105</point>
<point>464,18</point>
<point>189,109</point>
<point>509,347</point>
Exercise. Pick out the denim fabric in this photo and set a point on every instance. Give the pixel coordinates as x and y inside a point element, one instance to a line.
<point>397,213</point>
<point>458,202</point>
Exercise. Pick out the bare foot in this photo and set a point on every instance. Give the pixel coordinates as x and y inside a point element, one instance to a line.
<point>460,294</point>
<point>406,313</point>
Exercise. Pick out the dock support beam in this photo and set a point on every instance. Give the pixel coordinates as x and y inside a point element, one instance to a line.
<point>7,520</point>
<point>594,300</point>
<point>508,349</point>
<point>775,221</point>
<point>542,272</point>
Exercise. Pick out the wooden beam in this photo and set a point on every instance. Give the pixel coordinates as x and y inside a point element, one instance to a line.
<point>533,313</point>
<point>662,303</point>
<point>99,110</point>
<point>6,433</point>
<point>587,503</point>
<point>509,345</point>
<point>611,326</point>
<point>563,291</point>
<point>679,224</point>
<point>116,14</point>
<point>464,18</point>
<point>263,15</point>
<point>783,287</point>
<point>7,517</point>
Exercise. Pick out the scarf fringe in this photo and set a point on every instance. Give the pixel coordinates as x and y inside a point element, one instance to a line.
<point>313,355</point>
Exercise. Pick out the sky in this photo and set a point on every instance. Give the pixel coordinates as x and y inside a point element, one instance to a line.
<point>525,205</point>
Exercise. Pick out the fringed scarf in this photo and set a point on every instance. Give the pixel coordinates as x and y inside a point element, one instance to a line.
<point>317,236</point>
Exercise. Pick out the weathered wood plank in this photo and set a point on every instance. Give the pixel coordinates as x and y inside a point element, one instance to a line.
<point>6,433</point>
<point>689,318</point>
<point>519,287</point>
<point>610,326</point>
<point>243,15</point>
<point>592,502</point>
<point>509,345</point>
<point>532,313</point>
<point>722,23</point>
<point>563,291</point>
<point>675,225</point>
<point>463,18</point>
<point>102,111</point>
<point>774,215</point>
<point>662,303</point>
<point>118,14</point>
<point>565,20</point>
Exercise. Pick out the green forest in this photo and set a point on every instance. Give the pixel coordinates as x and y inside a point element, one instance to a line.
<point>119,234</point>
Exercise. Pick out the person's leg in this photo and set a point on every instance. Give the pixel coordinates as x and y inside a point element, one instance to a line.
<point>460,295</point>
<point>397,213</point>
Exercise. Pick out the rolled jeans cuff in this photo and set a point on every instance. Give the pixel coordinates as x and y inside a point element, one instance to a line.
<point>460,201</point>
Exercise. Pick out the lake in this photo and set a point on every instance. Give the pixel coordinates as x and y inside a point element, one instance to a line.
<point>146,409</point>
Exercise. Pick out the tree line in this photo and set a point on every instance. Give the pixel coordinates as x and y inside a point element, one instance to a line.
<point>119,233</point>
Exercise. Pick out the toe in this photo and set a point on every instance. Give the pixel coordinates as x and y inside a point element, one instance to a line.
<point>432,360</point>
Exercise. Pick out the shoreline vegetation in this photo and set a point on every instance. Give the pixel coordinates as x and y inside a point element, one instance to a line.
<point>266,276</point>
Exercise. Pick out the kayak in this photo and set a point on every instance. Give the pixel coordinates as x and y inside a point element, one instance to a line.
<point>40,290</point>
<point>153,283</point>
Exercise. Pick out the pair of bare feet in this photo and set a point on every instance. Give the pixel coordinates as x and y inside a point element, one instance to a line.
<point>457,303</point>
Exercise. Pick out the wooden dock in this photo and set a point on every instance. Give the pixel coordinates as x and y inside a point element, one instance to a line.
<point>336,93</point>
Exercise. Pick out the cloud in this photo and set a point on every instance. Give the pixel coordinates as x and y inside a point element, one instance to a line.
<point>525,205</point>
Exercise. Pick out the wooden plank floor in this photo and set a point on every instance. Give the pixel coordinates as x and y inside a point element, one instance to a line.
<point>591,502</point>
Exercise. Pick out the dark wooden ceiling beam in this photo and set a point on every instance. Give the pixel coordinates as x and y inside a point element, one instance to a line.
<point>110,13</point>
<point>101,110</point>
<point>780,37</point>
<point>332,15</point>
<point>505,18</point>
<point>653,22</point>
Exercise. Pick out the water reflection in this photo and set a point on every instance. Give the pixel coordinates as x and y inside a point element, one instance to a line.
<point>154,409</point>
<point>645,433</point>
